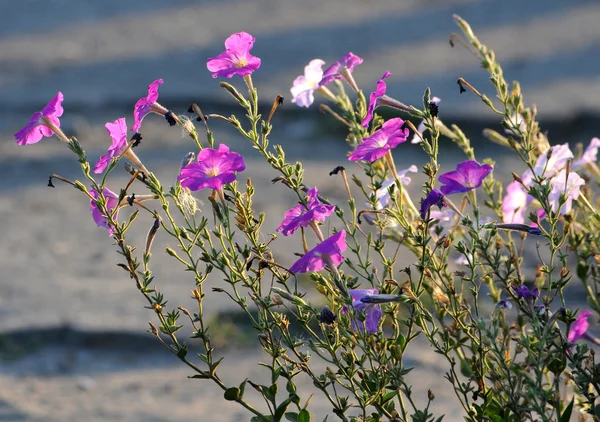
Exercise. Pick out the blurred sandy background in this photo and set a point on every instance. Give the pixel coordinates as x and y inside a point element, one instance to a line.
<point>72,341</point>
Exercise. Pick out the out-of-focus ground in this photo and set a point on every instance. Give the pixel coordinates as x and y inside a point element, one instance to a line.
<point>72,343</point>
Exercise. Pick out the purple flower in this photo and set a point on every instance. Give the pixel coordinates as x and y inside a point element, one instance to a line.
<point>548,167</point>
<point>213,169</point>
<point>421,128</point>
<point>514,204</point>
<point>300,216</point>
<point>468,176</point>
<point>313,260</point>
<point>372,312</point>
<point>236,59</point>
<point>379,91</point>
<point>590,155</point>
<point>118,132</point>
<point>304,86</point>
<point>567,185</point>
<point>579,327</point>
<point>504,304</point>
<point>524,293</point>
<point>112,201</point>
<point>435,197</point>
<point>147,105</point>
<point>348,62</point>
<point>38,127</point>
<point>391,134</point>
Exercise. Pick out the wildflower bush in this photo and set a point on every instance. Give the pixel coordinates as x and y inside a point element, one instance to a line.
<point>507,331</point>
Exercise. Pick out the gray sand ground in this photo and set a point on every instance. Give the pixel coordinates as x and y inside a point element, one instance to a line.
<point>58,268</point>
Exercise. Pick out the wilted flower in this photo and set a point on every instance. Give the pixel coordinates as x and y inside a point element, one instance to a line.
<point>468,175</point>
<point>147,105</point>
<point>39,123</point>
<point>379,91</point>
<point>435,197</point>
<point>318,257</point>
<point>118,132</point>
<point>590,155</point>
<point>548,167</point>
<point>326,316</point>
<point>301,216</point>
<point>391,134</point>
<point>421,128</point>
<point>212,170</point>
<point>345,64</point>
<point>112,201</point>
<point>514,204</point>
<point>304,86</point>
<point>372,312</point>
<point>524,293</point>
<point>579,327</point>
<point>567,185</point>
<point>236,59</point>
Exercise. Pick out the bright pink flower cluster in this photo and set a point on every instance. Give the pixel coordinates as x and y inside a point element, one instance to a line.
<point>213,169</point>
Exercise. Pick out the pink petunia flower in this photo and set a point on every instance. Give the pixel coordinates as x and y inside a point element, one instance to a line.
<point>567,185</point>
<point>391,134</point>
<point>118,132</point>
<point>112,201</point>
<point>372,312</point>
<point>374,96</point>
<point>579,327</point>
<point>343,66</point>
<point>212,170</point>
<point>300,216</point>
<point>147,105</point>
<point>318,257</point>
<point>304,86</point>
<point>421,128</point>
<point>590,155</point>
<point>236,59</point>
<point>514,204</point>
<point>468,175</point>
<point>40,122</point>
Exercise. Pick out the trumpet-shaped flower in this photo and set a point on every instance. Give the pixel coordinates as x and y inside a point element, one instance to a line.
<point>590,155</point>
<point>304,86</point>
<point>548,167</point>
<point>468,175</point>
<point>348,63</point>
<point>567,185</point>
<point>371,311</point>
<point>579,327</point>
<point>112,201</point>
<point>236,59</point>
<point>37,127</point>
<point>301,216</point>
<point>118,132</point>
<point>391,134</point>
<point>435,197</point>
<point>213,169</point>
<point>329,250</point>
<point>514,204</point>
<point>416,139</point>
<point>146,105</point>
<point>379,91</point>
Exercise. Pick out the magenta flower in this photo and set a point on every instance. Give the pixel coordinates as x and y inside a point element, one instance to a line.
<point>421,128</point>
<point>300,216</point>
<point>317,258</point>
<point>213,169</point>
<point>236,59</point>
<point>590,155</point>
<point>361,303</point>
<point>567,185</point>
<point>579,327</point>
<point>559,155</point>
<point>112,201</point>
<point>468,175</point>
<point>147,105</point>
<point>304,86</point>
<point>391,134</point>
<point>345,64</point>
<point>118,132</point>
<point>524,293</point>
<point>435,197</point>
<point>379,91</point>
<point>38,125</point>
<point>514,204</point>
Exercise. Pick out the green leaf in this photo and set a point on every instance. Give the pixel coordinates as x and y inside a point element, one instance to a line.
<point>281,409</point>
<point>566,416</point>
<point>304,416</point>
<point>200,376</point>
<point>291,416</point>
<point>290,387</point>
<point>232,394</point>
<point>242,387</point>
